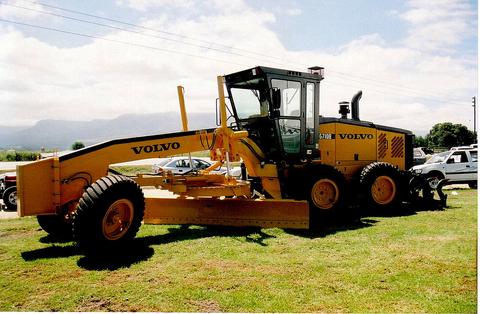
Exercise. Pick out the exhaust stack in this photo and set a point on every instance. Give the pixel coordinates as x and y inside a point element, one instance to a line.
<point>354,102</point>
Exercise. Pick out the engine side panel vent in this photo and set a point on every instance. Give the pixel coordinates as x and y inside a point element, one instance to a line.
<point>397,147</point>
<point>382,146</point>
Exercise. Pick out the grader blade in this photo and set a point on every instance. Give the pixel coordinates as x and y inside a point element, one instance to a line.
<point>227,212</point>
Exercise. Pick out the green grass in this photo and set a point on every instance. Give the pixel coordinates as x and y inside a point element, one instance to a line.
<point>420,262</point>
<point>132,170</point>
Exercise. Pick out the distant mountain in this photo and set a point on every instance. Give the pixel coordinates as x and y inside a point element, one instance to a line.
<point>61,134</point>
<point>11,129</point>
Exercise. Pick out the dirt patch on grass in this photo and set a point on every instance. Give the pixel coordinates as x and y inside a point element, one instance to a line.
<point>94,304</point>
<point>206,306</point>
<point>441,238</point>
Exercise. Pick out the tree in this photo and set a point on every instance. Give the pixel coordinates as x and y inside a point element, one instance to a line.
<point>448,134</point>
<point>420,141</point>
<point>77,145</point>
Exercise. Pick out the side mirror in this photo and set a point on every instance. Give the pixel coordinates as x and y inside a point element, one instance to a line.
<point>276,98</point>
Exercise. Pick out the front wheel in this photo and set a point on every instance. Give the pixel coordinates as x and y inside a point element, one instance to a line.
<point>109,213</point>
<point>325,189</point>
<point>10,198</point>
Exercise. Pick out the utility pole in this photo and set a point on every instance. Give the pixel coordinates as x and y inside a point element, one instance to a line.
<point>474,101</point>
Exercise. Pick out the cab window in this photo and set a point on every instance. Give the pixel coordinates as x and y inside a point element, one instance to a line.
<point>291,97</point>
<point>289,122</point>
<point>249,103</point>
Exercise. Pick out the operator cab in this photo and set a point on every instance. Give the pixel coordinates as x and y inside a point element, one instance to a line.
<point>279,109</point>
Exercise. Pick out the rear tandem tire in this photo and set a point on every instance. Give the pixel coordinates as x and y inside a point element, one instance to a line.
<point>109,213</point>
<point>382,186</point>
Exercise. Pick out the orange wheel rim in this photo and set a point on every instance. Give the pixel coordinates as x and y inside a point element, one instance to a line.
<point>383,190</point>
<point>117,219</point>
<point>325,194</point>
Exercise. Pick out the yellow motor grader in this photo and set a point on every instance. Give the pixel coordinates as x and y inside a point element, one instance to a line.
<point>299,165</point>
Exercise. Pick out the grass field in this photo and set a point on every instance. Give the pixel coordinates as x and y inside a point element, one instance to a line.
<point>424,261</point>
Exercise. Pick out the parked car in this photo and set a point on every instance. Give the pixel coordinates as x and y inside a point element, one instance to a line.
<point>421,155</point>
<point>458,166</point>
<point>8,189</point>
<point>181,165</point>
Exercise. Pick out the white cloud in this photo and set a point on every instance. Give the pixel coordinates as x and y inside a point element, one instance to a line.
<point>403,86</point>
<point>435,25</point>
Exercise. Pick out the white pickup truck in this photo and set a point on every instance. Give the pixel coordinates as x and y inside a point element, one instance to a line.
<point>458,166</point>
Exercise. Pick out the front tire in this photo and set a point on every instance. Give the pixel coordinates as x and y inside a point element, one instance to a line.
<point>109,212</point>
<point>10,198</point>
<point>382,185</point>
<point>325,189</point>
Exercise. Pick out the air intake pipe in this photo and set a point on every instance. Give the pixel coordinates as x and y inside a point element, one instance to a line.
<point>354,102</point>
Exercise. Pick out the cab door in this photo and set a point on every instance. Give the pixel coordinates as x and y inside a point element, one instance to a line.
<point>289,121</point>
<point>298,117</point>
<point>310,115</point>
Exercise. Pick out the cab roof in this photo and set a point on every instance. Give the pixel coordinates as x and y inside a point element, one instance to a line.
<point>262,70</point>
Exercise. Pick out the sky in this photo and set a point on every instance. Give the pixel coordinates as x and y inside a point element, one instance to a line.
<point>414,60</point>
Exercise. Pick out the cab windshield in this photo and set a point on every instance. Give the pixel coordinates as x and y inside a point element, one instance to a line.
<point>249,103</point>
<point>249,98</point>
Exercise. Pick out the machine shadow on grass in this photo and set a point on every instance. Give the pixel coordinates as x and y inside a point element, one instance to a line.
<point>357,218</point>
<point>140,249</point>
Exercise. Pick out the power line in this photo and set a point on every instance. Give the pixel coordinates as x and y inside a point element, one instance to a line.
<point>168,51</point>
<point>210,43</point>
<point>124,29</point>
<point>118,41</point>
<point>393,93</point>
<point>346,76</point>
<point>394,87</point>
<point>391,85</point>
<point>405,91</point>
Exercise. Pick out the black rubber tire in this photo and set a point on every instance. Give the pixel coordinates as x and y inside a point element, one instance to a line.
<point>10,198</point>
<point>473,185</point>
<point>56,226</point>
<point>94,208</point>
<point>332,179</point>
<point>386,173</point>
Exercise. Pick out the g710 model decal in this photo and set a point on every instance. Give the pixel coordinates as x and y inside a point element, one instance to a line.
<point>327,136</point>
<point>155,148</point>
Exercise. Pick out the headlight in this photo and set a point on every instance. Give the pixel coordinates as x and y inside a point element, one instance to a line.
<point>417,171</point>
